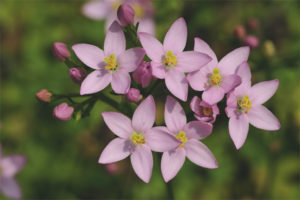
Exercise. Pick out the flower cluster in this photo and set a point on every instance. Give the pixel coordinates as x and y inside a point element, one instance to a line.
<point>148,63</point>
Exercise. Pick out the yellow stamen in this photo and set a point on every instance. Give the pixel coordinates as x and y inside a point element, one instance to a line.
<point>170,60</point>
<point>215,78</point>
<point>182,137</point>
<point>111,63</point>
<point>244,104</point>
<point>138,138</point>
<point>139,10</point>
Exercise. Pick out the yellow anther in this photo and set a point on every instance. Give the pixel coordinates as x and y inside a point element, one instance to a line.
<point>139,10</point>
<point>138,138</point>
<point>170,59</point>
<point>215,78</point>
<point>244,104</point>
<point>111,63</point>
<point>207,111</point>
<point>182,137</point>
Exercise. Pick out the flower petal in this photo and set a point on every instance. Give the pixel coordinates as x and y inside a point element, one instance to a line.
<point>152,46</point>
<point>197,129</point>
<point>244,72</point>
<point>142,162</point>
<point>198,80</point>
<point>130,59</point>
<point>144,115</point>
<point>10,165</point>
<point>161,141</point>
<point>190,61</point>
<point>158,70</point>
<point>238,129</point>
<point>146,25</point>
<point>203,47</point>
<point>232,60</point>
<point>118,123</point>
<point>115,42</point>
<point>230,82</point>
<point>213,95</point>
<point>120,82</point>
<point>95,82</point>
<point>10,188</point>
<point>260,117</point>
<point>195,104</point>
<point>96,9</point>
<point>118,149</point>
<point>174,115</point>
<point>177,84</point>
<point>175,39</point>
<point>263,91</point>
<point>90,55</point>
<point>199,154</point>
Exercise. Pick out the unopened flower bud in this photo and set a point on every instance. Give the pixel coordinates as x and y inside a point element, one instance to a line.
<point>111,168</point>
<point>240,32</point>
<point>63,112</point>
<point>77,74</point>
<point>269,48</point>
<point>251,41</point>
<point>143,74</point>
<point>125,14</point>
<point>133,95</point>
<point>253,23</point>
<point>61,51</point>
<point>43,95</point>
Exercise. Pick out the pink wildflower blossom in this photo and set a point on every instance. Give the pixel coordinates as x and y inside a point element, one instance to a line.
<point>204,111</point>
<point>217,78</point>
<point>143,74</point>
<point>63,112</point>
<point>244,106</point>
<point>169,62</point>
<point>111,65</point>
<point>188,134</point>
<point>136,138</point>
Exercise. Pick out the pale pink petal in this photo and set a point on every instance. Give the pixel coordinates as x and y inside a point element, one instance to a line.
<point>244,72</point>
<point>177,84</point>
<point>199,154</point>
<point>118,149</point>
<point>198,80</point>
<point>111,17</point>
<point>174,115</point>
<point>10,165</point>
<point>130,59</point>
<point>10,188</point>
<point>189,61</point>
<point>263,91</point>
<point>175,39</point>
<point>96,9</point>
<point>238,129</point>
<point>120,82</point>
<point>118,123</point>
<point>90,55</point>
<point>144,115</point>
<point>152,46</point>
<point>161,141</point>
<point>230,111</point>
<point>229,63</point>
<point>171,163</point>
<point>197,129</point>
<point>260,117</point>
<point>95,82</point>
<point>213,95</point>
<point>158,70</point>
<point>142,162</point>
<point>194,104</point>
<point>231,100</point>
<point>229,82</point>
<point>115,42</point>
<point>203,47</point>
<point>147,25</point>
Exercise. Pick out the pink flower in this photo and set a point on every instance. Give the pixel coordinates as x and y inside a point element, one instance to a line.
<point>125,14</point>
<point>136,138</point>
<point>63,112</point>
<point>43,95</point>
<point>217,78</point>
<point>107,9</point>
<point>9,166</point>
<point>133,95</point>
<point>188,135</point>
<point>244,106</point>
<point>60,51</point>
<point>169,62</point>
<point>111,65</point>
<point>77,74</point>
<point>143,74</point>
<point>204,111</point>
<point>251,41</point>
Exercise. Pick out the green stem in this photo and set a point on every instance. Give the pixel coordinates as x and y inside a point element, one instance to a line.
<point>108,100</point>
<point>170,191</point>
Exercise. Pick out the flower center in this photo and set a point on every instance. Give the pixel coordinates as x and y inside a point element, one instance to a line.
<point>170,60</point>
<point>215,78</point>
<point>138,10</point>
<point>244,104</point>
<point>111,63</point>
<point>206,111</point>
<point>182,137</point>
<point>137,138</point>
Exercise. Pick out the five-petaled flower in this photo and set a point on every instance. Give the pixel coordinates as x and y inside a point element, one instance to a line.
<point>204,111</point>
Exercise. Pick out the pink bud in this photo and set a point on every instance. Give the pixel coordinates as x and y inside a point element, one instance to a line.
<point>60,51</point>
<point>63,112</point>
<point>125,14</point>
<point>43,95</point>
<point>143,74</point>
<point>251,41</point>
<point>240,32</point>
<point>111,168</point>
<point>133,95</point>
<point>77,74</point>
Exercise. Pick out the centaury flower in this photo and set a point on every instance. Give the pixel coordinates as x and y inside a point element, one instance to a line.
<point>169,62</point>
<point>111,65</point>
<point>204,111</point>
<point>188,134</point>
<point>217,78</point>
<point>244,106</point>
<point>136,138</point>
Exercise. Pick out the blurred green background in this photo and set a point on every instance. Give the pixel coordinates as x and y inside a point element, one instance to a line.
<point>62,156</point>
